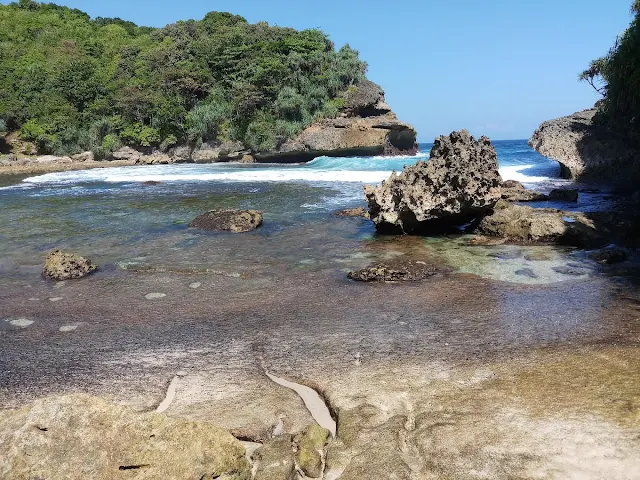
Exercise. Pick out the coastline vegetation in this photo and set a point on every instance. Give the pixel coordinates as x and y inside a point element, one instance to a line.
<point>70,83</point>
<point>616,76</point>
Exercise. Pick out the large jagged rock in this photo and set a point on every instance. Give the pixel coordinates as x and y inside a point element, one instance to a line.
<point>587,150</point>
<point>366,126</point>
<point>459,183</point>
<point>80,437</point>
<point>66,266</point>
<point>236,221</point>
<point>520,223</point>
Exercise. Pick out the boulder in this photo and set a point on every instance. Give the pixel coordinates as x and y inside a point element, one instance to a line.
<point>80,437</point>
<point>609,256</point>
<point>564,195</point>
<point>514,191</point>
<point>126,153</point>
<point>459,183</point>
<point>353,212</point>
<point>210,152</point>
<point>247,158</point>
<point>403,270</point>
<point>65,266</point>
<point>156,158</point>
<point>83,157</point>
<point>529,225</point>
<point>310,447</point>
<point>236,221</point>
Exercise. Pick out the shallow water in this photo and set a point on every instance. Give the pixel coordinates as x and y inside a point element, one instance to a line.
<point>196,318</point>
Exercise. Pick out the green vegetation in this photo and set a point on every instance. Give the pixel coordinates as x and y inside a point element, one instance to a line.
<point>617,77</point>
<point>70,83</point>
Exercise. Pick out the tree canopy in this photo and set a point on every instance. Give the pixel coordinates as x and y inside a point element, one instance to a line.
<point>71,83</point>
<point>617,77</point>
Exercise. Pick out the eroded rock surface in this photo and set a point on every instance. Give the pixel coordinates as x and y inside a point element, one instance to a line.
<point>66,266</point>
<point>459,183</point>
<point>404,270</point>
<point>80,437</point>
<point>585,149</point>
<point>525,224</point>
<point>514,191</point>
<point>237,221</point>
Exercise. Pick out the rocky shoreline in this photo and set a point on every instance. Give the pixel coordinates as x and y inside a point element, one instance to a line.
<point>365,126</point>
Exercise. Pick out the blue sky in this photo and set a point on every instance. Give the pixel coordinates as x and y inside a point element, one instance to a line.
<point>495,67</point>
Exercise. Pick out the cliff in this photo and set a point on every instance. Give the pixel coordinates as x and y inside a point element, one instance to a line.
<point>586,150</point>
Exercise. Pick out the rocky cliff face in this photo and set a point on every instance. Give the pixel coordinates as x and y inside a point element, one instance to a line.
<point>366,126</point>
<point>585,150</point>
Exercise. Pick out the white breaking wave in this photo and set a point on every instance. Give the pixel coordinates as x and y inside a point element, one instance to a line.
<point>514,172</point>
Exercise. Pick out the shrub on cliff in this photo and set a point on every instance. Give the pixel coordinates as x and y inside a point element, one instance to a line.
<point>617,77</point>
<point>69,82</point>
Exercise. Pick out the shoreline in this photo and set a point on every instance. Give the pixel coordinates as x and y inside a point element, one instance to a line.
<point>42,168</point>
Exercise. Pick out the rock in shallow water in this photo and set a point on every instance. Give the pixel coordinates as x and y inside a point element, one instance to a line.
<point>65,266</point>
<point>459,183</point>
<point>609,256</point>
<point>564,195</point>
<point>514,191</point>
<point>397,271</point>
<point>353,212</point>
<point>236,221</point>
<point>81,437</point>
<point>525,224</point>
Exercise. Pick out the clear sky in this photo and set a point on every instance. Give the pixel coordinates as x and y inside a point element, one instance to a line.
<point>495,67</point>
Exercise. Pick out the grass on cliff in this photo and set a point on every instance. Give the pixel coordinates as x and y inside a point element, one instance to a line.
<point>71,83</point>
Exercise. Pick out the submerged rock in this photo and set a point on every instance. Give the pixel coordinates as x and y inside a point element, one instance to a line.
<point>405,270</point>
<point>311,445</point>
<point>80,437</point>
<point>514,191</point>
<point>236,221</point>
<point>459,183</point>
<point>609,256</point>
<point>65,266</point>
<point>353,212</point>
<point>525,224</point>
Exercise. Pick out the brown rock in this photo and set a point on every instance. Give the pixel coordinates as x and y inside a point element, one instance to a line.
<point>459,183</point>
<point>80,437</point>
<point>353,212</point>
<point>564,195</point>
<point>65,266</point>
<point>525,224</point>
<point>236,221</point>
<point>404,270</point>
<point>514,191</point>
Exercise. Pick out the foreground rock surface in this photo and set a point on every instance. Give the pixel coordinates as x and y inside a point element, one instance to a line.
<point>66,266</point>
<point>81,437</point>
<point>525,224</point>
<point>237,221</point>
<point>458,183</point>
